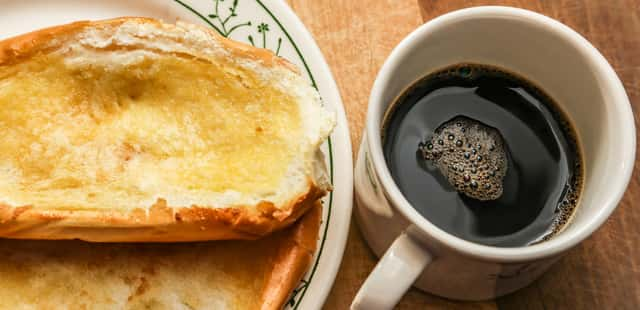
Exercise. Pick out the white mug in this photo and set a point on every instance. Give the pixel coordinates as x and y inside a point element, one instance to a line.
<point>572,72</point>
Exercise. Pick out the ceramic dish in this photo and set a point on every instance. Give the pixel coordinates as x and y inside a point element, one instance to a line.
<point>267,24</point>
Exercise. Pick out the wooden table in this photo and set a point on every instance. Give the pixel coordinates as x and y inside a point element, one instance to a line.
<point>356,36</point>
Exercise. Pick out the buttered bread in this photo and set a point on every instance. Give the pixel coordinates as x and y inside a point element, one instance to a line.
<point>135,130</point>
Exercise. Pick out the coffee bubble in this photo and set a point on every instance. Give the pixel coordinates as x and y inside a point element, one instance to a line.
<point>458,146</point>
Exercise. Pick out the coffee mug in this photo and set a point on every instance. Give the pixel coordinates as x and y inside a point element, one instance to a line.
<point>552,56</point>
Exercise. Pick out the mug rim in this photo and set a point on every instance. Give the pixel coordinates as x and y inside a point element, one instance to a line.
<point>559,243</point>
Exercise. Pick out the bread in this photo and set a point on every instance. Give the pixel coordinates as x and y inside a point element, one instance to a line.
<point>131,129</point>
<point>258,274</point>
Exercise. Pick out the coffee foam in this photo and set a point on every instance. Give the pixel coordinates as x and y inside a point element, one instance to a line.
<point>471,155</point>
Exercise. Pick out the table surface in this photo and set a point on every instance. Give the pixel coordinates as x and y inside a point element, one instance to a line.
<point>356,37</point>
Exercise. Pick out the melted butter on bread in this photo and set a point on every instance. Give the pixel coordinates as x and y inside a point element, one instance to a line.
<point>135,130</point>
<point>90,134</point>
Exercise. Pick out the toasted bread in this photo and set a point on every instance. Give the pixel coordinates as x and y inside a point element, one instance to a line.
<point>131,129</point>
<point>256,274</point>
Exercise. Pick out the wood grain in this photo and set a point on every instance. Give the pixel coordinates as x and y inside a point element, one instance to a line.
<point>356,36</point>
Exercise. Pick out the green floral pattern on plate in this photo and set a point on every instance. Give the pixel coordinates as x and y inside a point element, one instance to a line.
<point>223,21</point>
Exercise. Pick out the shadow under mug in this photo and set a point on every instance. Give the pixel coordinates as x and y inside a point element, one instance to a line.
<point>572,72</point>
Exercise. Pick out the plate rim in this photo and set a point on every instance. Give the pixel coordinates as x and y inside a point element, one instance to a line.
<point>345,148</point>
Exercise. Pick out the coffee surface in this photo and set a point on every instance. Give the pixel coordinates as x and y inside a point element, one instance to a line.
<point>522,193</point>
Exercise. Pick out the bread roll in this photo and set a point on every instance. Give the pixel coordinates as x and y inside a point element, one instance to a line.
<point>131,129</point>
<point>237,274</point>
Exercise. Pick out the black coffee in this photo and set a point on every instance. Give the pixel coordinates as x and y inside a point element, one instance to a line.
<point>485,155</point>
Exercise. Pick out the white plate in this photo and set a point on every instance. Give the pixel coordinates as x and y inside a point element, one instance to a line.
<point>264,23</point>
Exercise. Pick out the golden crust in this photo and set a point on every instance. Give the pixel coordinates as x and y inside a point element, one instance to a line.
<point>159,222</point>
<point>14,49</point>
<point>293,259</point>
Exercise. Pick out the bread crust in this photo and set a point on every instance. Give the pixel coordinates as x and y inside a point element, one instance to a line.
<point>293,259</point>
<point>159,222</point>
<point>21,47</point>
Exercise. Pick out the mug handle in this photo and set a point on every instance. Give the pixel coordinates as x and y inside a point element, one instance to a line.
<point>396,271</point>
